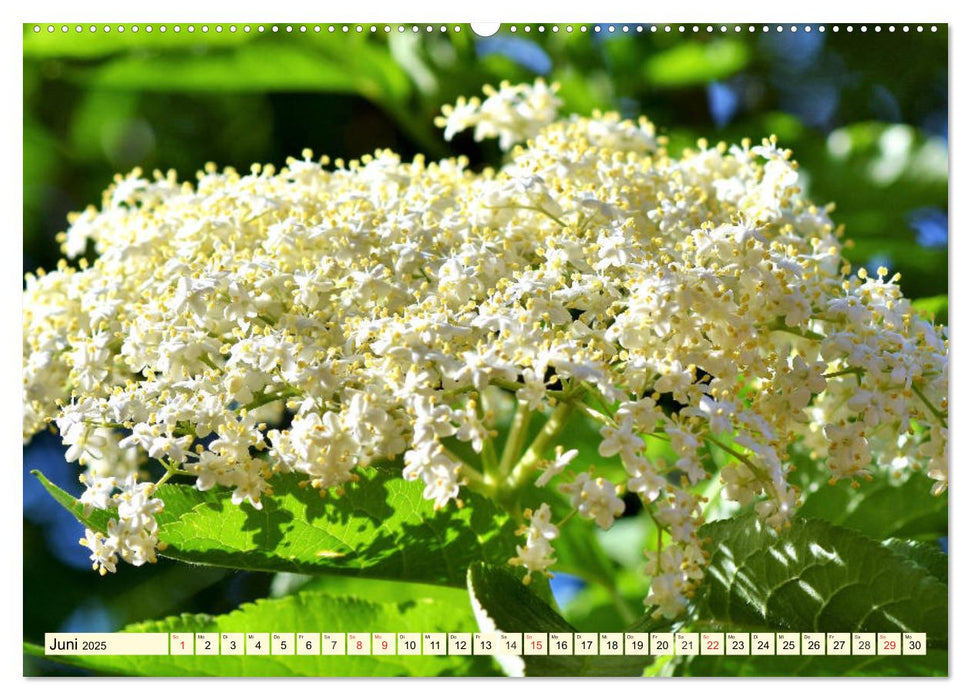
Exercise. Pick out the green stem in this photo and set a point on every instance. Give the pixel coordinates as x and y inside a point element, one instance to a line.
<point>757,471</point>
<point>941,416</point>
<point>270,398</point>
<point>475,482</point>
<point>490,462</point>
<point>534,454</point>
<point>170,471</point>
<point>600,400</point>
<point>802,333</point>
<point>506,384</point>
<point>660,539</point>
<point>451,393</point>
<point>849,370</point>
<point>595,414</point>
<point>567,519</point>
<point>515,439</point>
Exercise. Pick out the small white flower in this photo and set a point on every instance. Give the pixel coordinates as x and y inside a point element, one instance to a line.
<point>595,499</point>
<point>556,467</point>
<point>537,554</point>
<point>104,555</point>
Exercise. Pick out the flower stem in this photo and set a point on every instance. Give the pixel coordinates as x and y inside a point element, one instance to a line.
<point>757,471</point>
<point>515,439</point>
<point>474,481</point>
<point>286,393</point>
<point>567,518</point>
<point>802,333</point>
<point>594,413</point>
<point>534,453</point>
<point>940,415</point>
<point>849,370</point>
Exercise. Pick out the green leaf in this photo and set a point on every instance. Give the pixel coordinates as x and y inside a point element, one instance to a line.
<point>881,508</point>
<point>502,603</point>
<point>251,67</point>
<point>924,554</point>
<point>96,519</point>
<point>373,590</point>
<point>815,576</point>
<point>694,63</point>
<point>381,527</point>
<point>303,612</point>
<point>932,308</point>
<point>89,44</point>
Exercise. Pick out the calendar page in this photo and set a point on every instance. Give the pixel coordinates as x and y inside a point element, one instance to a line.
<point>517,349</point>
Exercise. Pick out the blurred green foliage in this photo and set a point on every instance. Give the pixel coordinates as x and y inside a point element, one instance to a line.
<point>865,115</point>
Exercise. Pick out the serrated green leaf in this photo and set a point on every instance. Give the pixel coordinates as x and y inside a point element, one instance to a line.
<point>96,519</point>
<point>381,527</point>
<point>303,612</point>
<point>881,508</point>
<point>924,554</point>
<point>814,576</point>
<point>502,603</point>
<point>377,590</point>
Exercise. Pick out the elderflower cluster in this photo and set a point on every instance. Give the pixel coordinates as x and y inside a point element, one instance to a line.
<point>324,317</point>
<point>133,536</point>
<point>513,113</point>
<point>537,555</point>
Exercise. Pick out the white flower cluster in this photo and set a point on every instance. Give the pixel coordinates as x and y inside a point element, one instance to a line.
<point>537,555</point>
<point>513,113</point>
<point>133,536</point>
<point>318,319</point>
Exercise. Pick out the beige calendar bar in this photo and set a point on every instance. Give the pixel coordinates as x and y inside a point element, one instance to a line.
<point>107,644</point>
<point>460,644</point>
<point>509,643</point>
<point>737,644</point>
<point>813,644</point>
<point>762,644</point>
<point>561,643</point>
<point>712,644</point>
<point>888,644</point>
<point>585,644</point>
<point>637,644</point>
<point>914,644</point>
<point>611,644</point>
<point>838,644</point>
<point>409,644</point>
<point>488,644</point>
<point>207,644</point>
<point>662,643</point>
<point>864,644</point>
<point>383,644</point>
<point>536,644</point>
<point>433,644</point>
<point>787,644</point>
